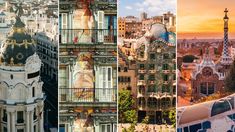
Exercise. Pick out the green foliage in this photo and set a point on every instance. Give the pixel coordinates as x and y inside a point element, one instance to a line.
<point>145,120</point>
<point>172,116</point>
<point>125,103</point>
<point>230,79</point>
<point>126,113</point>
<point>130,116</point>
<point>130,129</point>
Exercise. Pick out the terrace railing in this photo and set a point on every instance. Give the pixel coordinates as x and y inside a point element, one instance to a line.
<point>84,95</point>
<point>88,36</point>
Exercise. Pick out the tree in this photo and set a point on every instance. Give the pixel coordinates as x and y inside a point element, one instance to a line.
<point>130,129</point>
<point>145,122</point>
<point>125,103</point>
<point>230,79</point>
<point>130,116</point>
<point>172,116</point>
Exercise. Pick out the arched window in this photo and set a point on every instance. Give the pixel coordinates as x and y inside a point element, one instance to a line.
<point>152,102</point>
<point>207,88</point>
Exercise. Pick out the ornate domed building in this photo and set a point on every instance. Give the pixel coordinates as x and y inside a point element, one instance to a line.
<point>21,96</point>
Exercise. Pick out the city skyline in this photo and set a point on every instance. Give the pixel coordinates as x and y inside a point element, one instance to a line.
<point>200,21</point>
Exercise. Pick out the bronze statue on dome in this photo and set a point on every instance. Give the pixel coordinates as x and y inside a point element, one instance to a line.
<point>19,10</point>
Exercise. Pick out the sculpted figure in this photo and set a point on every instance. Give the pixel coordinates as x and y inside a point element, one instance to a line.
<point>83,20</point>
<point>83,77</point>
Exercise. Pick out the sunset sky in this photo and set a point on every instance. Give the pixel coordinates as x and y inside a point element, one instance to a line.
<point>204,18</point>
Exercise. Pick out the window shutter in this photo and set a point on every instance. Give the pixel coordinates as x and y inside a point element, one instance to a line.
<point>100,26</point>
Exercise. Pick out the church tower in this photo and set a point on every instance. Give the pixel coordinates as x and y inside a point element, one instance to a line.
<point>21,96</point>
<point>226,58</point>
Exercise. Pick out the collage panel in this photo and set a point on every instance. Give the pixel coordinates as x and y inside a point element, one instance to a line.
<point>146,66</point>
<point>28,66</point>
<point>88,66</point>
<point>117,66</point>
<point>205,65</point>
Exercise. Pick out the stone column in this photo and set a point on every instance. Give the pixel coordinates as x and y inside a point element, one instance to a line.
<point>40,116</point>
<point>27,121</point>
<point>41,123</point>
<point>31,121</point>
<point>13,121</point>
<point>29,117</point>
<point>8,122</point>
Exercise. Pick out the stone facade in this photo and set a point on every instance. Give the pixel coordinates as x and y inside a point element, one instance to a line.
<point>21,95</point>
<point>88,66</point>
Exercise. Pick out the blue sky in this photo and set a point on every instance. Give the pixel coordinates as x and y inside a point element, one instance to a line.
<point>152,7</point>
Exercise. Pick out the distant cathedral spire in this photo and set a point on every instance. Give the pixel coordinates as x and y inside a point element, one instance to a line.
<point>226,58</point>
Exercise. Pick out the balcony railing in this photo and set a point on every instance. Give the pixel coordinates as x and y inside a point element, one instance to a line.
<point>152,106</point>
<point>20,120</point>
<point>106,1</point>
<point>88,95</point>
<point>141,71</point>
<point>95,1</point>
<point>88,36</point>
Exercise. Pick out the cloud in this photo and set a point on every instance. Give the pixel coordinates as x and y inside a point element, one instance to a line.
<point>156,7</point>
<point>140,9</point>
<point>128,7</point>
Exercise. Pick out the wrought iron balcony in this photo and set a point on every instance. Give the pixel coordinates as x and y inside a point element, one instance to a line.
<point>152,106</point>
<point>106,1</point>
<point>20,120</point>
<point>88,95</point>
<point>88,36</point>
<point>95,1</point>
